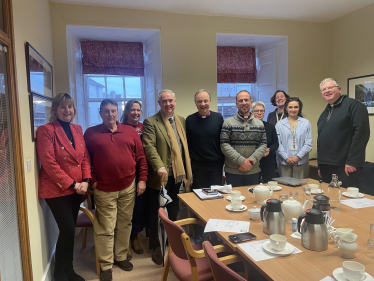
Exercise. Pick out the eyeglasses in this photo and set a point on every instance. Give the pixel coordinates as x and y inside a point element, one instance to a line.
<point>328,88</point>
<point>259,111</point>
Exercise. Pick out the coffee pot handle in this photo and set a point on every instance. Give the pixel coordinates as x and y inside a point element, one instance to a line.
<point>262,211</point>
<point>299,222</point>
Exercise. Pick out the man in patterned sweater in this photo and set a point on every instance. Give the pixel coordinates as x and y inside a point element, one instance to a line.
<point>243,142</point>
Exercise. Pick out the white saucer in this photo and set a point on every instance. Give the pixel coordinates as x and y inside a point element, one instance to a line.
<point>339,275</point>
<point>346,194</point>
<point>229,208</point>
<point>318,192</point>
<point>229,197</point>
<point>287,250</point>
<point>277,188</point>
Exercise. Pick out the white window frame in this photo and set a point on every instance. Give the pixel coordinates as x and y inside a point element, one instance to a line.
<point>87,99</point>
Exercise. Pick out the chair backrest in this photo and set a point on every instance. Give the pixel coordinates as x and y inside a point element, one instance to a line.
<point>174,233</point>
<point>220,271</point>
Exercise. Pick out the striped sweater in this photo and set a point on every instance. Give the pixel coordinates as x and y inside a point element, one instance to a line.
<point>242,139</point>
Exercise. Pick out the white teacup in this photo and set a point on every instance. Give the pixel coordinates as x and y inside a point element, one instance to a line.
<point>313,187</point>
<point>353,191</point>
<point>340,232</point>
<point>354,271</point>
<point>235,195</point>
<point>272,184</point>
<point>278,242</point>
<point>236,204</point>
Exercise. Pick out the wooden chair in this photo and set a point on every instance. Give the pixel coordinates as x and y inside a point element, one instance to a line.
<point>221,271</point>
<point>187,261</point>
<point>85,220</point>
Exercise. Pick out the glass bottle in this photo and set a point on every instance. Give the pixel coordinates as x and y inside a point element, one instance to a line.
<point>334,192</point>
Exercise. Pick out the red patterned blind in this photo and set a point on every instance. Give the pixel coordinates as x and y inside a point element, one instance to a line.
<point>116,58</point>
<point>236,65</point>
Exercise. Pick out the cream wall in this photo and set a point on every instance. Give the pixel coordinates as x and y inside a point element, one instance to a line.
<point>37,31</point>
<point>188,49</point>
<point>351,53</point>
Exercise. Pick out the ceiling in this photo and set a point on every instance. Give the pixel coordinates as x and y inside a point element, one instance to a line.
<point>300,10</point>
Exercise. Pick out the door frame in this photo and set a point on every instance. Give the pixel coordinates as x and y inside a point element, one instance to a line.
<point>7,39</point>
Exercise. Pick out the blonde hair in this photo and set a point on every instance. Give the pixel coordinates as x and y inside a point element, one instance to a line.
<point>60,99</point>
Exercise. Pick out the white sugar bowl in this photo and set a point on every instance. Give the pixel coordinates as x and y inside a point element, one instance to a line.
<point>254,213</point>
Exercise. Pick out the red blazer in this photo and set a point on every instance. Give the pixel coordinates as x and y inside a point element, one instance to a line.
<point>61,163</point>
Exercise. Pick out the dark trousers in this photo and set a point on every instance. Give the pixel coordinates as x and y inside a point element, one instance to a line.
<point>268,172</point>
<point>65,211</point>
<point>153,203</point>
<point>205,174</point>
<point>351,181</point>
<point>242,180</point>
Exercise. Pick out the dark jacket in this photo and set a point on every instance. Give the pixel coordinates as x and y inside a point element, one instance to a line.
<point>343,133</point>
<point>272,143</point>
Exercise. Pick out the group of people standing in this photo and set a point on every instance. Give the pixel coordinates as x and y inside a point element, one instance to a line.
<point>122,160</point>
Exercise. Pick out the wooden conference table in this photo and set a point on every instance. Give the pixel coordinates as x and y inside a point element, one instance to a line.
<point>308,265</point>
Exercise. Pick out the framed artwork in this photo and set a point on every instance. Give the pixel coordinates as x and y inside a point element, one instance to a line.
<point>40,112</point>
<point>39,73</point>
<point>362,89</point>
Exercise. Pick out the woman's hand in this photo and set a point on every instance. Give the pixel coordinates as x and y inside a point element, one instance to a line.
<point>266,152</point>
<point>81,187</point>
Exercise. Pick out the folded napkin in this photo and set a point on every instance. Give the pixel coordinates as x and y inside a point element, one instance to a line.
<point>222,188</point>
<point>296,235</point>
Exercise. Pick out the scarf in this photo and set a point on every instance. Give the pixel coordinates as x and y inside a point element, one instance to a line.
<point>176,158</point>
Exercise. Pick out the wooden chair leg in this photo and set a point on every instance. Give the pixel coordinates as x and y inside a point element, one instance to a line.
<point>166,269</point>
<point>84,238</point>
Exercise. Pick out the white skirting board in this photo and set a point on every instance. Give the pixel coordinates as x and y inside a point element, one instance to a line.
<point>48,273</point>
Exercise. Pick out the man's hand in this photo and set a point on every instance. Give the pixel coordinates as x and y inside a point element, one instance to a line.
<point>319,173</point>
<point>296,159</point>
<point>349,169</point>
<point>141,187</point>
<point>246,165</point>
<point>290,160</point>
<point>266,152</point>
<point>162,173</point>
<point>94,186</point>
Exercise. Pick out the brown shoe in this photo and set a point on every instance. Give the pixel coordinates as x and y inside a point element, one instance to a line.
<point>157,256</point>
<point>135,244</point>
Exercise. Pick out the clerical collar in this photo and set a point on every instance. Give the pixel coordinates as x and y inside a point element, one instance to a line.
<point>202,116</point>
<point>245,117</point>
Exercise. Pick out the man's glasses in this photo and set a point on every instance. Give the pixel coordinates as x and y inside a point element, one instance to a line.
<point>259,111</point>
<point>328,88</point>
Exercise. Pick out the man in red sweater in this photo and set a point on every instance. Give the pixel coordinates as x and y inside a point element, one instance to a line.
<point>116,153</point>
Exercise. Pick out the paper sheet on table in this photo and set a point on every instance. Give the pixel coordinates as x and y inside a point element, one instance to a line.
<point>227,226</point>
<point>328,278</point>
<point>257,252</point>
<point>227,188</point>
<point>358,203</point>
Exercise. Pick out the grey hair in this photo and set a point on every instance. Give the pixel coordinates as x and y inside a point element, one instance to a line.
<point>164,91</point>
<point>202,90</point>
<point>108,101</point>
<point>328,80</point>
<point>256,103</point>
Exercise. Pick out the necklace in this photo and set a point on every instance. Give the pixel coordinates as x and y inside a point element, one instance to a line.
<point>276,114</point>
<point>293,132</point>
<point>71,140</point>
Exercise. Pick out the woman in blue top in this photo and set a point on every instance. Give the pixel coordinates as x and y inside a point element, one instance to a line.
<point>295,141</point>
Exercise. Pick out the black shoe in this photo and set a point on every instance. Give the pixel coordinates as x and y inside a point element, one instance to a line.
<point>157,256</point>
<point>124,265</point>
<point>106,275</point>
<point>72,276</point>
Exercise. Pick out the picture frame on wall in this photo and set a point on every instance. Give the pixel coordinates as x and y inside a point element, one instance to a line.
<point>39,73</point>
<point>40,112</point>
<point>362,89</point>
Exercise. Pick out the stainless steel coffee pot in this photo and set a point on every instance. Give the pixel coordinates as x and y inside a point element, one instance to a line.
<point>314,235</point>
<point>273,217</point>
<point>322,202</point>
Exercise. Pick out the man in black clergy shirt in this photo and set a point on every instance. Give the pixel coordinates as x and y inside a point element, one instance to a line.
<point>203,130</point>
<point>343,133</point>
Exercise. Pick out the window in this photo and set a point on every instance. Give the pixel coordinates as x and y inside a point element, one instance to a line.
<point>226,97</point>
<point>117,87</point>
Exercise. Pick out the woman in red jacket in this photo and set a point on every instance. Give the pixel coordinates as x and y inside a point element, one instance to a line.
<point>63,178</point>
